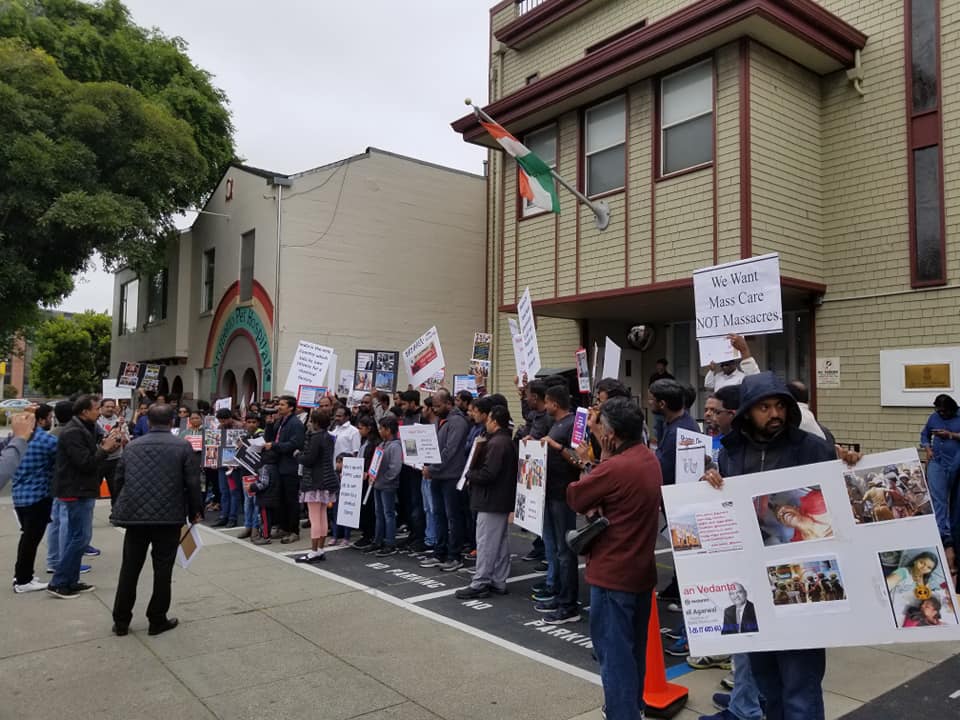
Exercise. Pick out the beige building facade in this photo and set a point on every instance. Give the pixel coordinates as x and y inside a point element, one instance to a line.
<point>372,250</point>
<point>718,130</point>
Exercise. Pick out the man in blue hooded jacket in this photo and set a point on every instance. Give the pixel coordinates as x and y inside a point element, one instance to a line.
<point>766,435</point>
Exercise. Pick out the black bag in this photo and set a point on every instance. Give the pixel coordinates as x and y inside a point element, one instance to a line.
<point>579,540</point>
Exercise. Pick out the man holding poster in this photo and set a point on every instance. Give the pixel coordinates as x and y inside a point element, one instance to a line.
<point>766,435</point>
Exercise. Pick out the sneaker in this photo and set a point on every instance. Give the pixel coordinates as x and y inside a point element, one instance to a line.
<point>722,715</point>
<point>451,565</point>
<point>372,548</point>
<point>231,524</point>
<point>84,569</point>
<point>363,543</point>
<point>62,593</point>
<point>674,607</point>
<point>470,556</point>
<point>721,701</point>
<point>291,538</point>
<point>709,661</point>
<point>472,593</point>
<point>431,561</point>
<point>727,681</point>
<point>82,588</point>
<point>415,548</point>
<point>386,551</point>
<point>542,566</point>
<point>32,586</point>
<point>544,596</point>
<point>532,556</point>
<point>559,617</point>
<point>308,558</point>
<point>540,587</point>
<point>678,648</point>
<point>548,606</point>
<point>91,551</point>
<point>672,633</point>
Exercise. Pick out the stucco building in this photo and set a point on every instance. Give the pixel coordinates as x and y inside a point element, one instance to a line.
<point>368,252</point>
<point>724,129</point>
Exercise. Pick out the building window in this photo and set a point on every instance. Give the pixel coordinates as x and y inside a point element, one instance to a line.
<point>247,247</point>
<point>605,128</point>
<point>209,256</point>
<point>129,302</point>
<point>543,144</point>
<point>686,118</point>
<point>157,297</point>
<point>925,158</point>
<point>532,78</point>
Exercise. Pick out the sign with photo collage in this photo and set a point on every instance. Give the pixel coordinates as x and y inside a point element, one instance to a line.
<point>375,370</point>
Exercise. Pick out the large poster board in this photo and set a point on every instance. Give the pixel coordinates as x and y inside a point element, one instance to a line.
<point>424,358</point>
<point>309,366</point>
<point>531,486</point>
<point>740,298</point>
<point>351,486</point>
<point>375,370</point>
<point>516,338</point>
<point>811,556</point>
<point>528,334</point>
<point>419,444</point>
<point>132,375</point>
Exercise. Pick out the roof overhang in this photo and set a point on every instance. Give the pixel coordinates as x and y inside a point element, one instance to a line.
<point>799,29</point>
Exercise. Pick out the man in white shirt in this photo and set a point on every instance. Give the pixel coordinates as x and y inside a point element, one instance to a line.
<point>729,373</point>
<point>346,436</point>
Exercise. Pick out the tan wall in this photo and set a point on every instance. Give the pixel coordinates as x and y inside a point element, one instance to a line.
<point>728,153</point>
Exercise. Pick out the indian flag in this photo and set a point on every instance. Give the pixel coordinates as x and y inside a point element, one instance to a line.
<point>536,182</point>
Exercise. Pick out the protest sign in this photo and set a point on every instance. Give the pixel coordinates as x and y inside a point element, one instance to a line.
<point>330,376</point>
<point>462,482</point>
<point>308,396</point>
<point>611,360</point>
<point>150,381</point>
<point>465,382</point>
<point>309,366</point>
<point>691,455</point>
<point>741,298</point>
<point>223,404</point>
<point>249,454</point>
<point>229,445</point>
<point>419,444</point>
<point>351,488</point>
<point>528,332</point>
<point>531,486</point>
<point>424,358</point>
<point>196,441</point>
<point>345,383</point>
<point>716,350</point>
<point>375,463</point>
<point>518,355</point>
<point>811,556</point>
<point>593,366</point>
<point>583,372</point>
<point>480,369</point>
<point>434,383</point>
<point>131,375</point>
<point>190,544</point>
<point>108,389</point>
<point>375,370</point>
<point>481,347</point>
<point>579,433</point>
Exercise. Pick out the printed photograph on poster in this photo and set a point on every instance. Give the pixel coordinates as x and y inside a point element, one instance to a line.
<point>387,362</point>
<point>917,587</point>
<point>791,516</point>
<point>480,369</point>
<point>363,382</point>
<point>424,357</point>
<point>723,608</point>
<point>583,372</point>
<point>151,377</point>
<point>419,444</point>
<point>211,456</point>
<point>892,491</point>
<point>366,360</point>
<point>230,440</point>
<point>308,396</point>
<point>807,585</point>
<point>481,347</point>
<point>465,382</point>
<point>531,486</point>
<point>432,384</point>
<point>410,449</point>
<point>129,375</point>
<point>705,528</point>
<point>386,381</point>
<point>345,383</point>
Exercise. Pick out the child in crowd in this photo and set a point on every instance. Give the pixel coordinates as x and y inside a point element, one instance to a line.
<point>385,487</point>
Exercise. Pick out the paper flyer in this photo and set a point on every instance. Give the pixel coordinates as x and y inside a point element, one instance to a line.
<point>419,444</point>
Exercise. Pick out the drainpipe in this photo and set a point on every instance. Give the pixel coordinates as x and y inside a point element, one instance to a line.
<point>279,183</point>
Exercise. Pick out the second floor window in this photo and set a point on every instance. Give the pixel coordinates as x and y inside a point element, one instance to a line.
<point>129,302</point>
<point>543,144</point>
<point>605,126</point>
<point>686,118</point>
<point>157,297</point>
<point>209,256</point>
<point>247,247</point>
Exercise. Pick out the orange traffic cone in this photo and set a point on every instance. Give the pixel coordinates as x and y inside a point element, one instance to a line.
<point>663,699</point>
<point>104,490</point>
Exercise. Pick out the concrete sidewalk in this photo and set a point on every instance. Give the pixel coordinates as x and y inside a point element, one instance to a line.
<point>261,637</point>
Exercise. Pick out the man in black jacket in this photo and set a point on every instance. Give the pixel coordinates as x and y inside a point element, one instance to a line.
<point>158,488</point>
<point>289,438</point>
<point>76,483</point>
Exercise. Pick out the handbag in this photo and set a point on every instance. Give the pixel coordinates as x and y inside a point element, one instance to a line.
<point>579,540</point>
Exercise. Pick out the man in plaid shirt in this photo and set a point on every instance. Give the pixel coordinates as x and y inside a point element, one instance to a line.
<point>32,500</point>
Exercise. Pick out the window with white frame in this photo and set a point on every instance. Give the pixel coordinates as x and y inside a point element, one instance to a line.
<point>247,245</point>
<point>129,306</point>
<point>686,118</point>
<point>543,144</point>
<point>209,260</point>
<point>605,126</point>
<point>157,297</point>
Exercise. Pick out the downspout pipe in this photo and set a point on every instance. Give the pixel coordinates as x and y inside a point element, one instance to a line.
<point>279,182</point>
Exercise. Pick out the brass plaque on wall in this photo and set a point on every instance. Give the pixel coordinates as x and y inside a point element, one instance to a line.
<point>926,377</point>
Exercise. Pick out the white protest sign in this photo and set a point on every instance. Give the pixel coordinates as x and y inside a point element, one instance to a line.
<point>223,404</point>
<point>828,372</point>
<point>741,298</point>
<point>331,372</point>
<point>351,488</point>
<point>461,483</point>
<point>528,331</point>
<point>593,366</point>
<point>531,486</point>
<point>309,366</point>
<point>465,382</point>
<point>716,350</point>
<point>419,444</point>
<point>518,354</point>
<point>692,451</point>
<point>812,556</point>
<point>424,358</point>
<point>345,383</point>
<point>108,389</point>
<point>611,360</point>
<point>583,372</point>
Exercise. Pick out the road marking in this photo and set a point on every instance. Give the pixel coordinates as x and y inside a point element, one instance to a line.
<point>444,593</point>
<point>954,695</point>
<point>590,677</point>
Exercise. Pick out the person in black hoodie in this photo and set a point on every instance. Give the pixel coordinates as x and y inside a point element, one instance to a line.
<point>289,438</point>
<point>319,483</point>
<point>493,487</point>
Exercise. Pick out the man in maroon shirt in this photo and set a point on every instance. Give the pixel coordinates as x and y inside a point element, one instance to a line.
<point>621,566</point>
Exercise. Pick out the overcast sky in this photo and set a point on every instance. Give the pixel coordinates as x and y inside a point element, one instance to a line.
<point>312,82</point>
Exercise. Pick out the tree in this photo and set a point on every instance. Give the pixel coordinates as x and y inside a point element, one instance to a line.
<point>107,131</point>
<point>71,354</point>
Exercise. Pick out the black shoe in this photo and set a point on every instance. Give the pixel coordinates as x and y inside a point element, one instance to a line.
<point>542,566</point>
<point>168,624</point>
<point>498,591</point>
<point>63,593</point>
<point>222,522</point>
<point>372,548</point>
<point>120,629</point>
<point>415,548</point>
<point>231,524</point>
<point>472,593</point>
<point>532,556</point>
<point>386,551</point>
<point>363,543</point>
<point>541,587</point>
<point>82,588</point>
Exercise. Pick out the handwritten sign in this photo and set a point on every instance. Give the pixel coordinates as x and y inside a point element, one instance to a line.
<point>309,365</point>
<point>528,331</point>
<point>351,488</point>
<point>741,298</point>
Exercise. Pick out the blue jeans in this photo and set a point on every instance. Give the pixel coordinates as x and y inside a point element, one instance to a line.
<point>230,500</point>
<point>561,560</point>
<point>79,530</point>
<point>618,628</point>
<point>791,681</point>
<point>745,696</point>
<point>56,540</point>
<point>431,532</point>
<point>385,505</point>
<point>940,481</point>
<point>338,532</point>
<point>449,516</point>
<point>251,513</point>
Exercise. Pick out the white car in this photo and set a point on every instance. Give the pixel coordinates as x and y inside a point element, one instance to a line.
<point>15,404</point>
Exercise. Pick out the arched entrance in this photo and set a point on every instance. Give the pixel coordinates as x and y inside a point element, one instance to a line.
<point>163,388</point>
<point>248,386</point>
<point>176,390</point>
<point>228,385</point>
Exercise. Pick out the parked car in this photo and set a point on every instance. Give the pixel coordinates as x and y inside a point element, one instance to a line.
<point>15,404</point>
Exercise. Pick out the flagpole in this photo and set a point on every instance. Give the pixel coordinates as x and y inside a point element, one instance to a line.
<point>600,209</point>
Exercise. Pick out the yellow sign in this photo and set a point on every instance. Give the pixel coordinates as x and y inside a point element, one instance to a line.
<point>926,377</point>
<point>3,367</point>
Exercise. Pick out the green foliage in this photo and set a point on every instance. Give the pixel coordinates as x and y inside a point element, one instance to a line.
<point>10,392</point>
<point>71,354</point>
<point>107,131</point>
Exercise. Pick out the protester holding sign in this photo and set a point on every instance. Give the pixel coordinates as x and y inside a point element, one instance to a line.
<point>289,438</point>
<point>370,437</point>
<point>385,488</point>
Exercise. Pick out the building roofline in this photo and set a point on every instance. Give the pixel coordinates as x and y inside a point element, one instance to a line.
<point>371,150</point>
<point>267,174</point>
